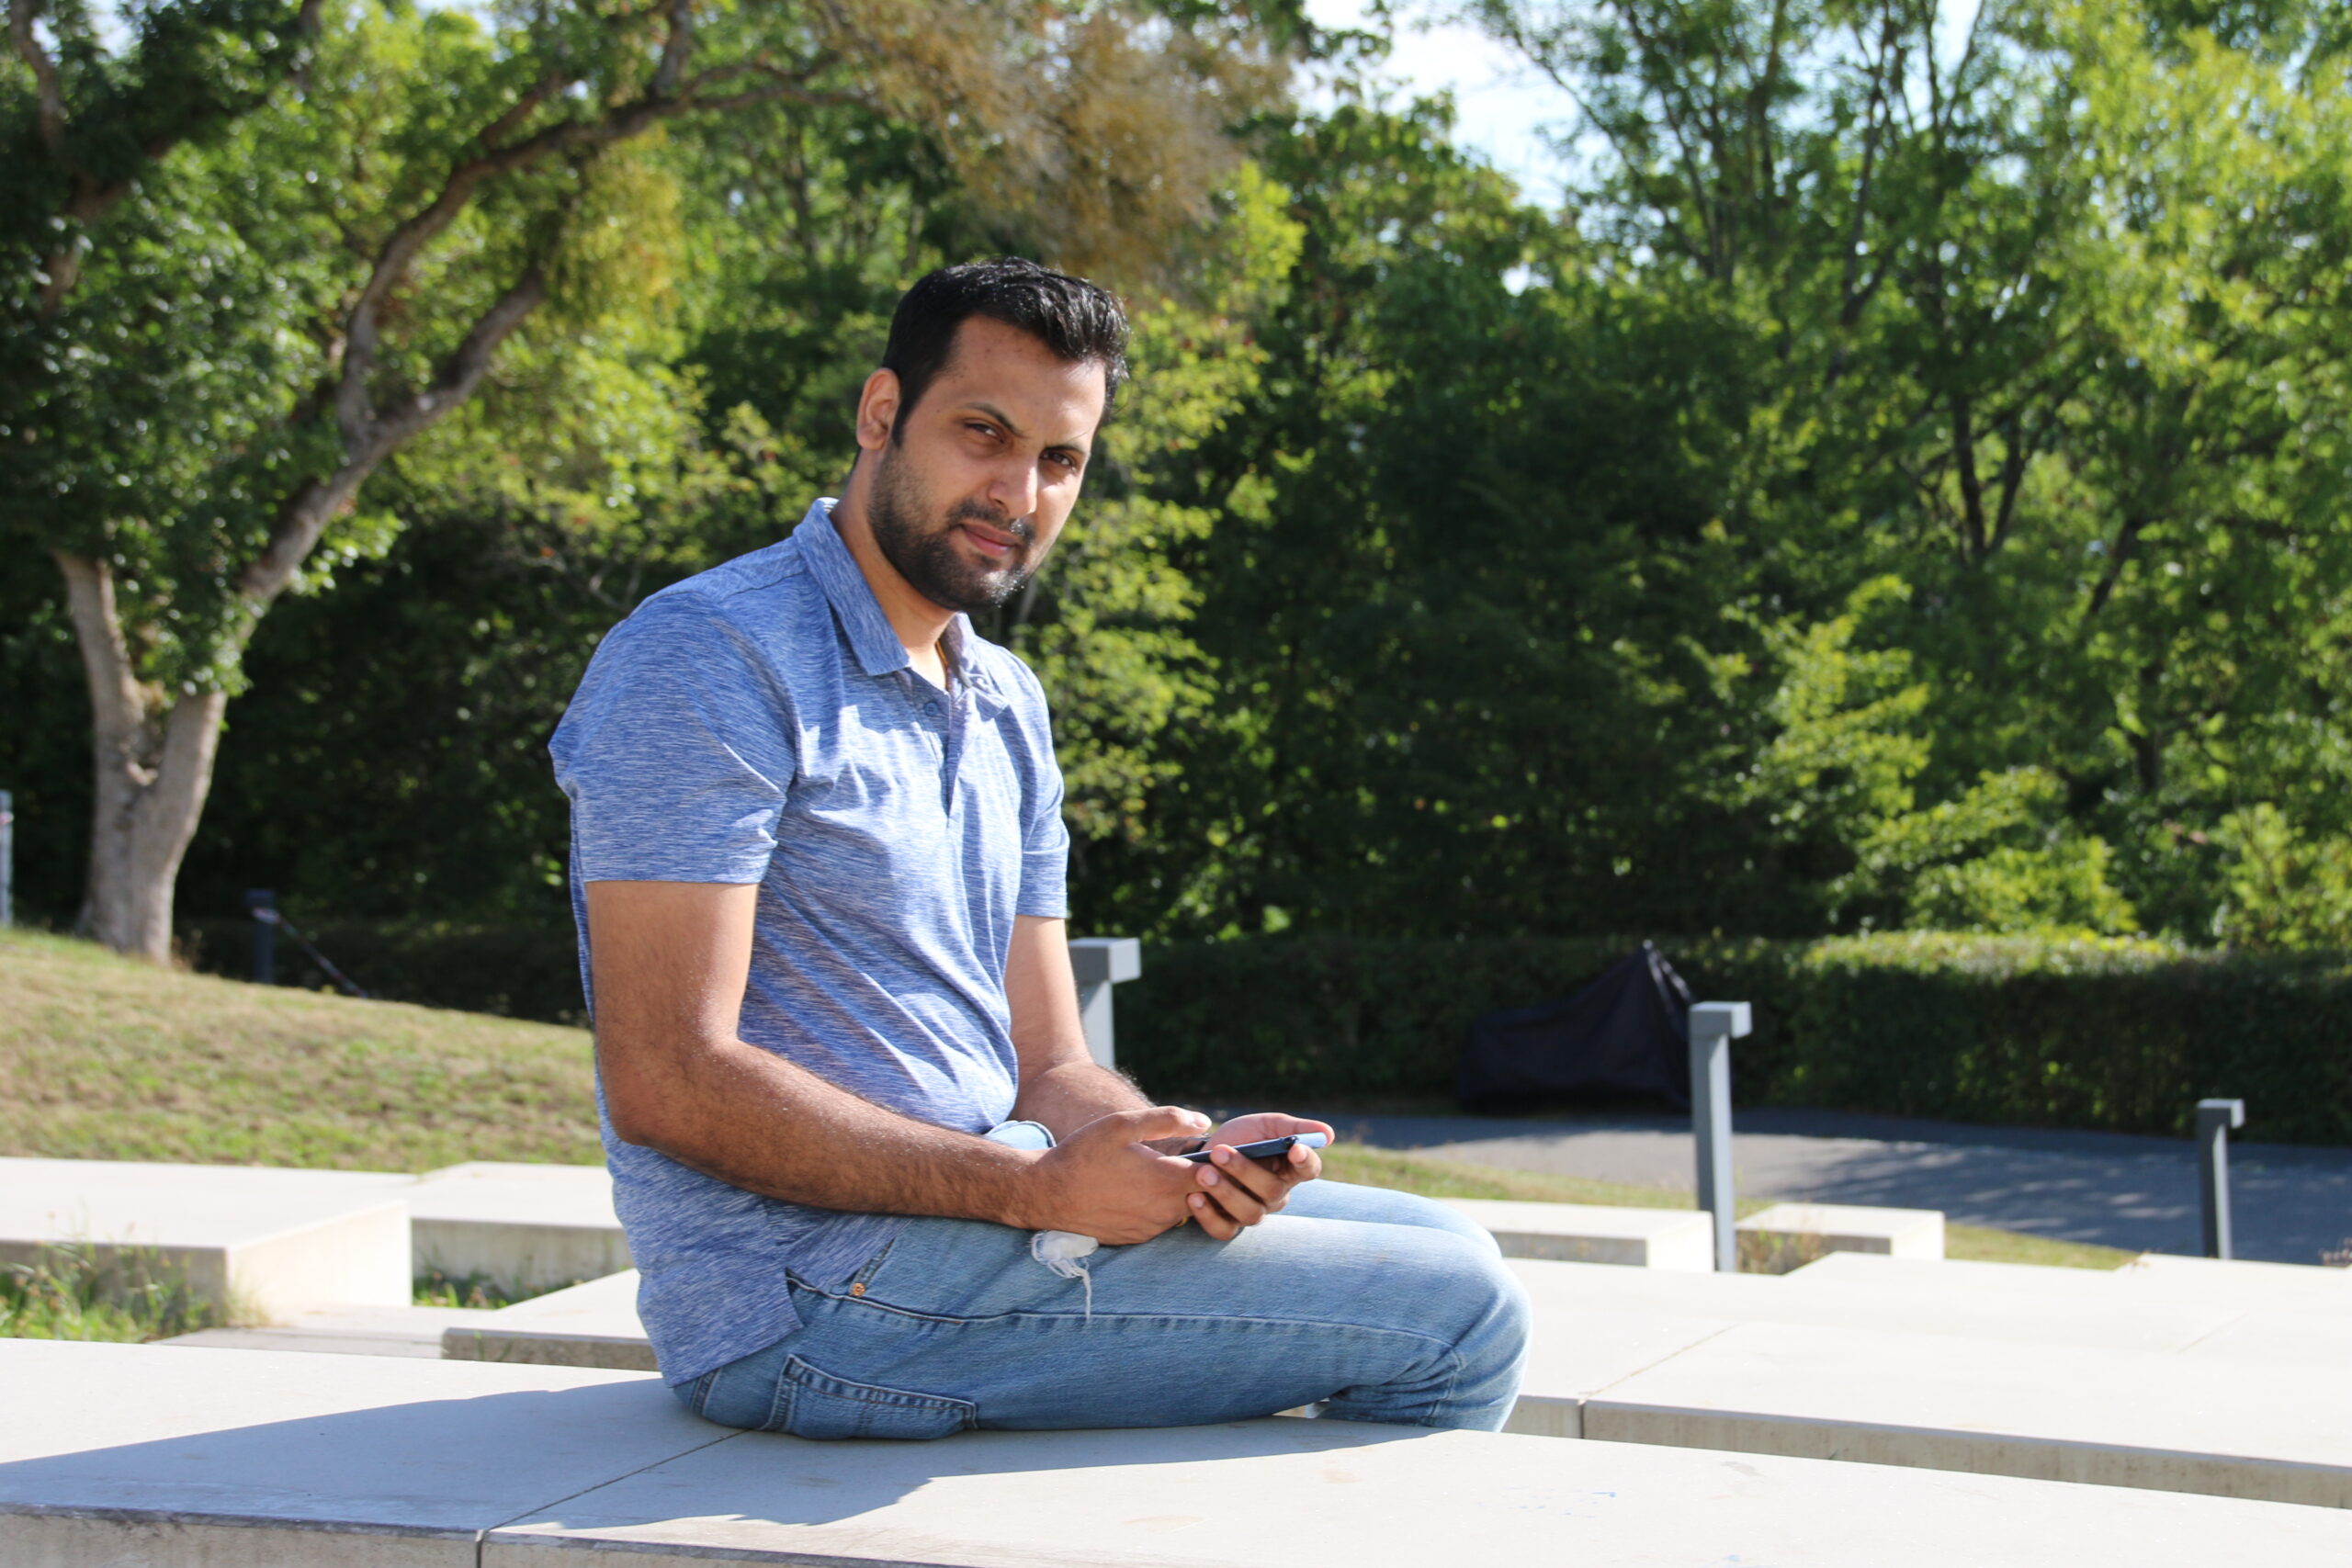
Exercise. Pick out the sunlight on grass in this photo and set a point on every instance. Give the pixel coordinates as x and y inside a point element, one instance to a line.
<point>102,1057</point>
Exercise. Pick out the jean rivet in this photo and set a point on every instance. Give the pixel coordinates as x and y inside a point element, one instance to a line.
<point>858,1289</point>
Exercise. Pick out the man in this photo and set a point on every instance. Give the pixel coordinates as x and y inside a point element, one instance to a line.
<point>818,861</point>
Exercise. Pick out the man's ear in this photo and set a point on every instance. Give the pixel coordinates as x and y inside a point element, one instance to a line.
<point>878,410</point>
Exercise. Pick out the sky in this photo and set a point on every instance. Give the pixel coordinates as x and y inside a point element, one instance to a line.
<point>1502,105</point>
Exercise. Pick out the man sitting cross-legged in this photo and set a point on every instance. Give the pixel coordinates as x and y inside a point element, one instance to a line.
<point>817,861</point>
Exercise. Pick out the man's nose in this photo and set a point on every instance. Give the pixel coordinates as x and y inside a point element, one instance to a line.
<point>1015,487</point>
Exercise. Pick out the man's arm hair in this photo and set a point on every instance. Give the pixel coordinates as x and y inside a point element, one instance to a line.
<point>669,960</point>
<point>1061,1085</point>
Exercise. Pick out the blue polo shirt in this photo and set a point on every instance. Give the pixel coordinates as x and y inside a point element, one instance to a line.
<point>760,723</point>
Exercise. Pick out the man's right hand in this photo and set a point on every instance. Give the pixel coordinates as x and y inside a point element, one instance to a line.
<point>1102,1181</point>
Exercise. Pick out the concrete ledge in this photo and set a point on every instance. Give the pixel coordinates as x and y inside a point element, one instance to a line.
<point>1844,1227</point>
<point>1679,1239</point>
<point>119,1455</point>
<point>594,1324</point>
<point>2155,1278</point>
<point>255,1244</point>
<point>1262,1494</point>
<point>531,1227</point>
<point>1905,1299</point>
<point>1574,1355</point>
<point>356,1331</point>
<point>268,1461</point>
<point>2110,1417</point>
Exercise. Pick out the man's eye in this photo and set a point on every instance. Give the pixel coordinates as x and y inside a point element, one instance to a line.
<point>977,428</point>
<point>1067,460</point>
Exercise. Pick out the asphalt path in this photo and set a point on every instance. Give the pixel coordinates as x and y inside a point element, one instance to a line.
<point>2289,1203</point>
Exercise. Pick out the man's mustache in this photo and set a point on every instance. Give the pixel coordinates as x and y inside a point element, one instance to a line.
<point>1020,528</point>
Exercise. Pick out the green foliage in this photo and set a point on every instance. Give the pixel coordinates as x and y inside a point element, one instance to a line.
<point>2285,890</point>
<point>81,1292</point>
<point>1903,489</point>
<point>2124,1034</point>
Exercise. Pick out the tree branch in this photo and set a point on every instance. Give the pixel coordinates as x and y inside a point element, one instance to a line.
<point>309,510</point>
<point>48,92</point>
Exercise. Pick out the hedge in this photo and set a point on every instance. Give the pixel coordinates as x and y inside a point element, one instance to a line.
<point>509,971</point>
<point>2115,1034</point>
<point>2111,1034</point>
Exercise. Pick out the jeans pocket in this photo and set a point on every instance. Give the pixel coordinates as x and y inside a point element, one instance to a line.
<point>814,1403</point>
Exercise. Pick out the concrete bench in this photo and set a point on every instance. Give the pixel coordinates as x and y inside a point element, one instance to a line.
<point>2156,1277</point>
<point>533,1227</point>
<point>1845,1227</point>
<point>1862,1301</point>
<point>2041,1387</point>
<point>257,1244</point>
<point>174,1459</point>
<point>1681,1239</point>
<point>2137,1418</point>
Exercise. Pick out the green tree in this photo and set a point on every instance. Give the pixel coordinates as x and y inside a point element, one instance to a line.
<point>282,289</point>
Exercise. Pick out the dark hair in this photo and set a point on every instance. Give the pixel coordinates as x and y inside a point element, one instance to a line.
<point>1079,321</point>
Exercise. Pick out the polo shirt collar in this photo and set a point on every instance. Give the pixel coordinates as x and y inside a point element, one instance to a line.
<point>868,629</point>
<point>870,635</point>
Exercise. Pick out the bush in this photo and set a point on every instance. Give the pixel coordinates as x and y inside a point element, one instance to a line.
<point>2059,1031</point>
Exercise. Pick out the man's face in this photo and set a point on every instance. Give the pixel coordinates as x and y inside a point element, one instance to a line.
<point>973,489</point>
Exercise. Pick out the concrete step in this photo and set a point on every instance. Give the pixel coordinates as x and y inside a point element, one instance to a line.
<point>2156,1277</point>
<point>355,1331</point>
<point>1865,1302</point>
<point>147,1454</point>
<point>1681,1239</point>
<point>592,1324</point>
<point>533,1227</point>
<point>161,1456</point>
<point>259,1244</point>
<point>2133,1418</point>
<point>1847,1227</point>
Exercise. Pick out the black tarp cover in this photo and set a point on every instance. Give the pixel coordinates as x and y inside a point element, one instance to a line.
<point>1624,1036</point>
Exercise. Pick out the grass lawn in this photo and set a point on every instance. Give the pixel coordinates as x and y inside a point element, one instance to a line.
<point>105,1058</point>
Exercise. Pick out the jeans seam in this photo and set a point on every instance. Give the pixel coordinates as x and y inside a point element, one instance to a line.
<point>1101,1316</point>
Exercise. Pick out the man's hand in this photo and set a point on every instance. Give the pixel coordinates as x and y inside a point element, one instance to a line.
<point>1235,1192</point>
<point>1105,1182</point>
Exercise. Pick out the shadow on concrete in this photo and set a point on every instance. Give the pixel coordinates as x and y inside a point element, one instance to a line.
<point>761,1478</point>
<point>451,1468</point>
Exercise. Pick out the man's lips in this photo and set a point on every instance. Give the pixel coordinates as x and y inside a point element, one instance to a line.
<point>990,542</point>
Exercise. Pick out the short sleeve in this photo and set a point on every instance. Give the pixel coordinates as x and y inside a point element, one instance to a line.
<point>677,752</point>
<point>1045,837</point>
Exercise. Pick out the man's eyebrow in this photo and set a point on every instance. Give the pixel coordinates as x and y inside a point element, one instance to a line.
<point>980,406</point>
<point>1002,418</point>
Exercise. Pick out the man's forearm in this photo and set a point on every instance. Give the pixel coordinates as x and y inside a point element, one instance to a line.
<point>1067,1095</point>
<point>758,1122</point>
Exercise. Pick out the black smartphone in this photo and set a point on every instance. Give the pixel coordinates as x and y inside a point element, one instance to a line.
<point>1270,1148</point>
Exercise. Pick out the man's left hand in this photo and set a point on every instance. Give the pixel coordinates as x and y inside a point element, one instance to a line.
<point>1237,1193</point>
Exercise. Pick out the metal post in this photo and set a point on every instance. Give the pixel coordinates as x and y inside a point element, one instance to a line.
<point>7,858</point>
<point>2214,1120</point>
<point>262,905</point>
<point>1100,963</point>
<point>1714,1026</point>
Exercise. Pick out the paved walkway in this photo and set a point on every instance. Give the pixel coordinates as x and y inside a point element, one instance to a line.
<point>2289,1203</point>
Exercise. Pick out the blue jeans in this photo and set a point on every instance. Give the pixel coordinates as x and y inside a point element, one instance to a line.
<point>1382,1305</point>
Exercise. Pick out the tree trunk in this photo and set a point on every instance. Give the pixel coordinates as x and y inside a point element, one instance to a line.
<point>152,752</point>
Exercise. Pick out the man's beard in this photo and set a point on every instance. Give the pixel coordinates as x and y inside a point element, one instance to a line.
<point>925,553</point>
